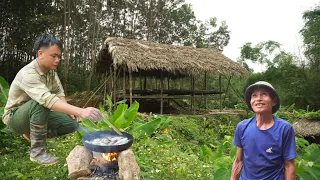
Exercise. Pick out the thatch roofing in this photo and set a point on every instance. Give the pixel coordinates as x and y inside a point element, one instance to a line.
<point>139,55</point>
<point>305,127</point>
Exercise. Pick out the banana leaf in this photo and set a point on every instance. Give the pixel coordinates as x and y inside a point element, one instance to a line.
<point>118,116</point>
<point>129,115</point>
<point>91,126</point>
<point>146,129</point>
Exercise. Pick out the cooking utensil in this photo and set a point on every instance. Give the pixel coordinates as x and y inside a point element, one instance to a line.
<point>90,136</point>
<point>111,125</point>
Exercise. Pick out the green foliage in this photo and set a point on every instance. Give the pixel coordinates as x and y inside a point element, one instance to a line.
<point>123,118</point>
<point>311,36</point>
<point>4,91</point>
<point>222,158</point>
<point>303,114</point>
<point>308,160</point>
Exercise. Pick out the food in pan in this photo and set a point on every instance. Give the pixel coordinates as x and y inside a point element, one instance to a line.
<point>109,141</point>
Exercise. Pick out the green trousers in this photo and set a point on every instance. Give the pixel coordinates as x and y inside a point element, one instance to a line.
<point>58,124</point>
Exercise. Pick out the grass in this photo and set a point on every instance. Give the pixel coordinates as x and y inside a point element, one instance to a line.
<point>175,155</point>
<point>15,163</point>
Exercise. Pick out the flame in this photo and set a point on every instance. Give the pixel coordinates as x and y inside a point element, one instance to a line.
<point>110,157</point>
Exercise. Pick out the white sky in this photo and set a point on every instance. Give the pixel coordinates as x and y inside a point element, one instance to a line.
<point>257,21</point>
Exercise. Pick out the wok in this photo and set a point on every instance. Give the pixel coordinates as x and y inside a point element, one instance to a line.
<point>90,136</point>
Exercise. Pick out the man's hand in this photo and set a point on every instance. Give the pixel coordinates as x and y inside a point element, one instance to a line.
<point>91,113</point>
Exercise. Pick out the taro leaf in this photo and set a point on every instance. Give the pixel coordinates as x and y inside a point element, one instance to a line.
<point>314,171</point>
<point>233,152</point>
<point>206,152</point>
<point>147,129</point>
<point>314,156</point>
<point>304,175</point>
<point>222,174</point>
<point>91,126</point>
<point>164,123</point>
<point>130,114</point>
<point>117,118</point>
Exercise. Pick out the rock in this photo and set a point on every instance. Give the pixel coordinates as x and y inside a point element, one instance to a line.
<point>128,166</point>
<point>78,162</point>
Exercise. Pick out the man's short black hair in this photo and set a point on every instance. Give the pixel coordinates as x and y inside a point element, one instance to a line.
<point>46,41</point>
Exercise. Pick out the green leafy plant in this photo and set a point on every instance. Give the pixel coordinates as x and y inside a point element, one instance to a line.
<point>222,158</point>
<point>4,91</point>
<point>308,160</point>
<point>123,118</point>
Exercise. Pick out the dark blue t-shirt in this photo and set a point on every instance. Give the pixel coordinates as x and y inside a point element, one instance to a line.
<point>264,151</point>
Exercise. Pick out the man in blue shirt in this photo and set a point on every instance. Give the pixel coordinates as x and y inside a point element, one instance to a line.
<point>265,144</point>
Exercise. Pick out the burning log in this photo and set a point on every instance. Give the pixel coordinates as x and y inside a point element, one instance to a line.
<point>78,162</point>
<point>128,166</point>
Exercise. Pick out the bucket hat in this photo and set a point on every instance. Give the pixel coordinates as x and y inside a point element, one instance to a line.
<point>266,85</point>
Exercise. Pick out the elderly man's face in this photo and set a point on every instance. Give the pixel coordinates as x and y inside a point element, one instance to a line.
<point>261,101</point>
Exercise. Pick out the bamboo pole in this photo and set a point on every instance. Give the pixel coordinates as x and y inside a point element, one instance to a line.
<point>161,94</point>
<point>220,91</point>
<point>168,100</point>
<point>229,82</point>
<point>130,86</point>
<point>124,84</point>
<point>105,87</point>
<point>115,84</point>
<point>205,88</point>
<point>193,97</point>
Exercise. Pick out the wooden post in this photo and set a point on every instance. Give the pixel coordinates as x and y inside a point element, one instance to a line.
<point>161,94</point>
<point>112,82</point>
<point>193,100</point>
<point>130,85</point>
<point>168,100</point>
<point>145,83</point>
<point>229,82</point>
<point>105,87</point>
<point>124,83</point>
<point>115,84</point>
<point>205,88</point>
<point>140,78</point>
<point>220,91</point>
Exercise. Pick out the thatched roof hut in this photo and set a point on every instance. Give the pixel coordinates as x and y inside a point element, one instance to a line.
<point>146,56</point>
<point>125,60</point>
<point>306,127</point>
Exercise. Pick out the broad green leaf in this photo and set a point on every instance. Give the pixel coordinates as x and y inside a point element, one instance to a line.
<point>233,152</point>
<point>109,103</point>
<point>130,114</point>
<point>222,174</point>
<point>91,126</point>
<point>3,83</point>
<point>206,152</point>
<point>117,118</point>
<point>1,111</point>
<point>4,96</point>
<point>121,102</point>
<point>103,125</point>
<point>147,129</point>
<point>314,171</point>
<point>315,156</point>
<point>164,123</point>
<point>304,175</point>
